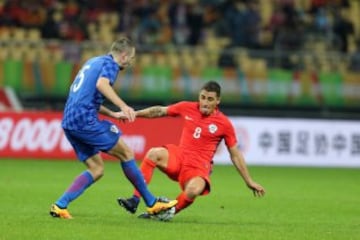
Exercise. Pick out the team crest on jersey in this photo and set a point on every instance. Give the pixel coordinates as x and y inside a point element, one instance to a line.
<point>114,129</point>
<point>212,128</point>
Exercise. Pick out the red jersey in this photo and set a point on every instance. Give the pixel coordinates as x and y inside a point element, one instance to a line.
<point>202,134</point>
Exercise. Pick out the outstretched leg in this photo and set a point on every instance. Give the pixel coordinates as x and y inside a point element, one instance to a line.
<point>134,175</point>
<point>192,188</point>
<point>95,170</point>
<point>147,168</point>
<point>155,157</point>
<point>183,202</point>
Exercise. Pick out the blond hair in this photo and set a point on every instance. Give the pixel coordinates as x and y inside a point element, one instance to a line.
<point>121,45</point>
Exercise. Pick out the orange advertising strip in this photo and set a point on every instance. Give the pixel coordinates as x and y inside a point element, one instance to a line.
<point>39,135</point>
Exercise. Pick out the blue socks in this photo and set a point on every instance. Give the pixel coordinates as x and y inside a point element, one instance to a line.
<point>134,175</point>
<point>85,179</point>
<point>82,182</point>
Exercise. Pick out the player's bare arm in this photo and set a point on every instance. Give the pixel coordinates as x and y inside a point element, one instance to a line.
<point>108,112</point>
<point>239,162</point>
<point>152,112</point>
<point>105,111</point>
<point>103,85</point>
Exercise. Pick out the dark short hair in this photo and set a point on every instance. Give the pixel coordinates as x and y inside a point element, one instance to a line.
<point>121,45</point>
<point>212,86</point>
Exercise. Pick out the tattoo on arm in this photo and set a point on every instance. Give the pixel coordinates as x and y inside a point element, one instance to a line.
<point>156,111</point>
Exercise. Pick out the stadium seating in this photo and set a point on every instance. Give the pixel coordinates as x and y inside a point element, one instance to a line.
<point>36,66</point>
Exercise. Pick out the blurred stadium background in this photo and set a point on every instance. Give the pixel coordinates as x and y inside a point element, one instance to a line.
<point>279,55</point>
<point>290,72</point>
<point>273,58</point>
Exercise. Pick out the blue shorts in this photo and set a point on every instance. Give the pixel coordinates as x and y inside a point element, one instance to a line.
<point>87,143</point>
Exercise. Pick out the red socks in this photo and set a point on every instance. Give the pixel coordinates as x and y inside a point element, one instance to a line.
<point>183,202</point>
<point>147,169</point>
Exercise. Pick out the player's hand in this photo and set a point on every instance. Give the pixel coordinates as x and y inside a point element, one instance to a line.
<point>257,189</point>
<point>129,113</point>
<point>119,115</point>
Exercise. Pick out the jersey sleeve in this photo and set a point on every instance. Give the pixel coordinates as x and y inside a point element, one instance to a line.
<point>177,108</point>
<point>109,70</point>
<point>229,134</point>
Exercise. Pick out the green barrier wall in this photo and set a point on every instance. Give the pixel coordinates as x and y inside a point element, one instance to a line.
<point>161,82</point>
<point>331,85</point>
<point>156,82</point>
<point>63,78</point>
<point>307,89</point>
<point>13,74</point>
<point>279,86</point>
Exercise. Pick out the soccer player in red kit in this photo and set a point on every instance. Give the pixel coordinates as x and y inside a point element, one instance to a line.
<point>190,162</point>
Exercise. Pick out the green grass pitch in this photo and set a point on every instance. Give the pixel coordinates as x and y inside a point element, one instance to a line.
<point>301,203</point>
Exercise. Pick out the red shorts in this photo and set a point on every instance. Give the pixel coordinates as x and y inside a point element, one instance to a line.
<point>181,173</point>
